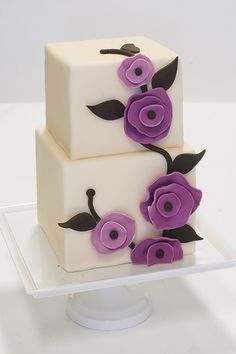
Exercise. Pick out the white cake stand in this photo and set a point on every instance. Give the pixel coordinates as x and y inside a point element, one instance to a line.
<point>98,298</point>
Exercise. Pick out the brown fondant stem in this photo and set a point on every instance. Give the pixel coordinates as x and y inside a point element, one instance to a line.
<point>163,153</point>
<point>117,51</point>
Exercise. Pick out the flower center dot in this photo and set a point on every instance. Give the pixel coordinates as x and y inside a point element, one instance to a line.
<point>138,71</point>
<point>160,253</point>
<point>151,114</point>
<point>168,206</point>
<point>113,234</point>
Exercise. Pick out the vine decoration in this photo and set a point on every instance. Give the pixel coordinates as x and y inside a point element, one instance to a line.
<point>110,233</point>
<point>116,231</point>
<point>147,115</point>
<point>171,199</point>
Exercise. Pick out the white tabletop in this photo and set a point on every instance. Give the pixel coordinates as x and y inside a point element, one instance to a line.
<point>194,314</point>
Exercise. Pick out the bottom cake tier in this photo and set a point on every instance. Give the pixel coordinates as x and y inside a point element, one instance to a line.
<point>81,203</point>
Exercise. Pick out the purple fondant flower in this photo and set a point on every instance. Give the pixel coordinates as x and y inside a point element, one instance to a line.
<point>148,116</point>
<point>113,232</point>
<point>136,71</point>
<point>170,201</point>
<point>157,250</point>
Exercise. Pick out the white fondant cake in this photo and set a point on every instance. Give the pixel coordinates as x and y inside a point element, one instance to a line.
<point>115,182</point>
<point>118,181</point>
<point>77,75</point>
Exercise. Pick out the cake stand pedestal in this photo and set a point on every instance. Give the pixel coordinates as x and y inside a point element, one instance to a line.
<point>108,309</point>
<point>99,298</point>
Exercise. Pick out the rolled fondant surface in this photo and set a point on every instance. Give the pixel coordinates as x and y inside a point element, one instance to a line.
<point>120,183</point>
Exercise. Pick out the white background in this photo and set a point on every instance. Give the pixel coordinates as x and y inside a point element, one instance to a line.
<point>202,32</point>
<point>194,314</point>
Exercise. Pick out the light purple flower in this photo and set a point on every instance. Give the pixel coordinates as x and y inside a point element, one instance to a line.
<point>136,71</point>
<point>148,116</point>
<point>113,232</point>
<point>170,201</point>
<point>157,250</point>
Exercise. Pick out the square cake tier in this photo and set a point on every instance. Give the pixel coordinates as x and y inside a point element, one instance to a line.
<point>78,76</point>
<point>120,184</point>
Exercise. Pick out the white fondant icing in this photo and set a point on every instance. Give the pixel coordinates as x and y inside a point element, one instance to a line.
<point>77,75</point>
<point>120,183</point>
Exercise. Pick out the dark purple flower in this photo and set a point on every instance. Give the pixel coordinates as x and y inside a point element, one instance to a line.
<point>157,250</point>
<point>170,201</point>
<point>113,232</point>
<point>148,116</point>
<point>136,71</point>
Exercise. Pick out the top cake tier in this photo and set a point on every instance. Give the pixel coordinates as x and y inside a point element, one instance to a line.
<point>113,101</point>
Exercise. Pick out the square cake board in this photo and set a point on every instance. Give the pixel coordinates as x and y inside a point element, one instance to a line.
<point>43,277</point>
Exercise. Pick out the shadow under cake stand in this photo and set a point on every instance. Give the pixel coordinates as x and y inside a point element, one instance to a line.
<point>99,298</point>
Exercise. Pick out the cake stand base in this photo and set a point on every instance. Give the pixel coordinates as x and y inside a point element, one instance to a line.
<point>108,309</point>
<point>101,300</point>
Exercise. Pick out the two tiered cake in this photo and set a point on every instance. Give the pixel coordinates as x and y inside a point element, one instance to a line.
<point>115,182</point>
